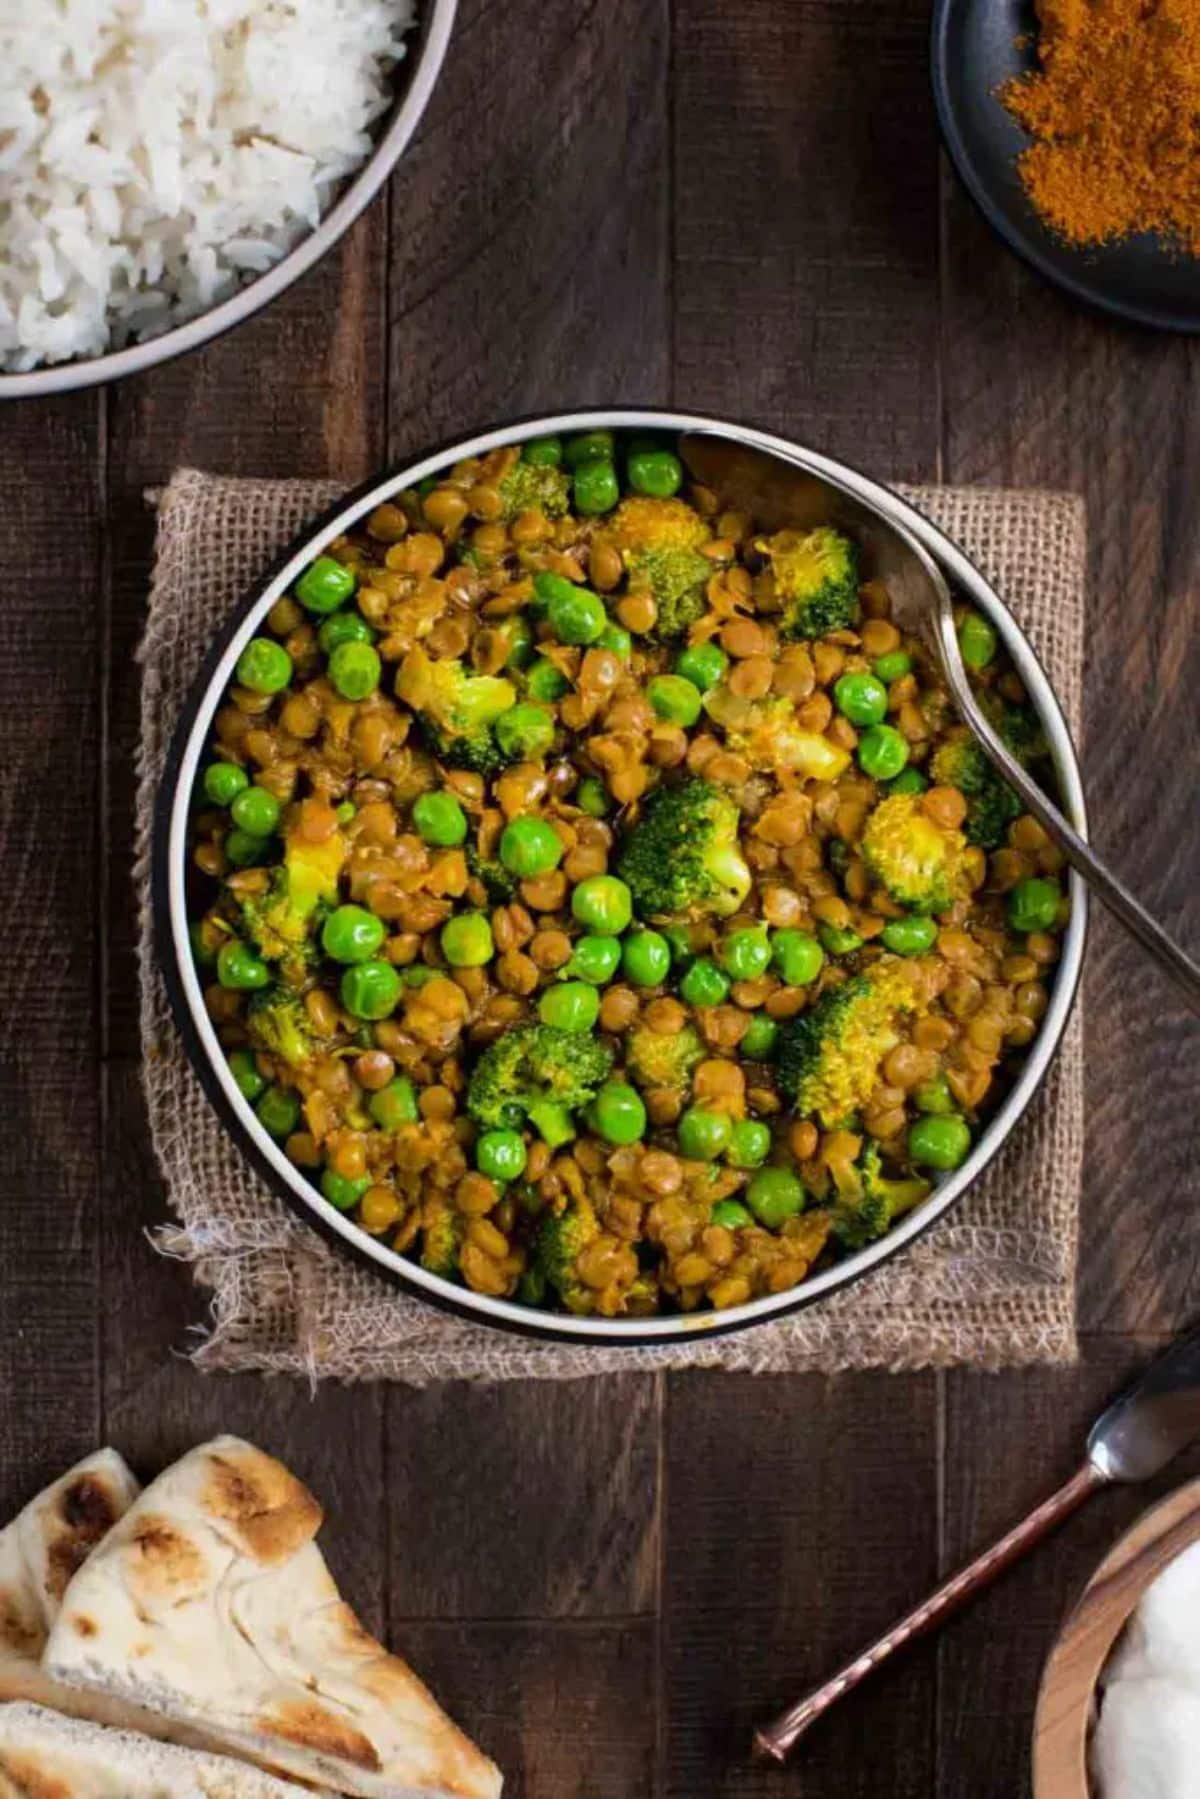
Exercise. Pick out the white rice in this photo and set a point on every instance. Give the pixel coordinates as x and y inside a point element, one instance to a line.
<point>157,154</point>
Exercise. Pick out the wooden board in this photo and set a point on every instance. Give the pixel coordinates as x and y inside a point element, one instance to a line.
<point>1068,1689</point>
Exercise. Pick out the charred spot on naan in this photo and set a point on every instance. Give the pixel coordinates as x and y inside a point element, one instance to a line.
<point>272,1512</point>
<point>21,1630</point>
<point>31,1782</point>
<point>84,1514</point>
<point>311,1726</point>
<point>166,1564</point>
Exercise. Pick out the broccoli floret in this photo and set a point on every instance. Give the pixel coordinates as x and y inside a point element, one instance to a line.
<point>766,733</point>
<point>278,1022</point>
<point>921,863</point>
<point>660,544</point>
<point>457,708</point>
<point>557,1244</point>
<point>659,1059</point>
<point>859,1218</point>
<point>540,1075</point>
<point>1017,725</point>
<point>816,577</point>
<point>682,856</point>
<point>499,884</point>
<point>828,1057</point>
<point>282,921</point>
<point>529,485</point>
<point>991,803</point>
<point>442,1239</point>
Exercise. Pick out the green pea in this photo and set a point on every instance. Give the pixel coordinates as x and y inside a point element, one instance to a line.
<point>244,1069</point>
<point>239,969</point>
<point>352,934</point>
<point>542,452</point>
<point>861,698</point>
<point>758,1039</point>
<point>345,812</point>
<point>934,1096</point>
<point>548,586</point>
<point>658,473</point>
<point>243,850</point>
<point>324,585</point>
<point>571,1006</point>
<point>518,635</point>
<point>646,958</point>
<point>703,1135</point>
<point>882,752</point>
<point>595,488</point>
<point>679,936</point>
<point>909,780</point>
<point>839,940</point>
<point>1033,904</point>
<point>223,781</point>
<point>394,1105</point>
<point>602,903</point>
<point>255,810</point>
<point>744,955</point>
<point>774,1195</point>
<point>371,990</point>
<point>591,796</point>
<point>264,666</point>
<point>545,682</point>
<point>588,446</point>
<point>798,958</point>
<point>618,640</point>
<point>731,1215</point>
<point>893,667</point>
<point>205,956</point>
<point>355,670</point>
<point>342,1193</point>
<point>977,641</point>
<point>578,616</point>
<point>595,959</point>
<point>426,485</point>
<point>501,1155</point>
<point>704,984</point>
<point>939,1142</point>
<point>344,627</point>
<point>440,820</point>
<point>909,936</point>
<point>675,699</point>
<point>525,731</point>
<point>702,664</point>
<point>466,940</point>
<point>618,1113</point>
<point>278,1111</point>
<point>530,847</point>
<point>749,1145</point>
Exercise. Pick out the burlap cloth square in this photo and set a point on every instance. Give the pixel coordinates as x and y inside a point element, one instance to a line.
<point>991,1285</point>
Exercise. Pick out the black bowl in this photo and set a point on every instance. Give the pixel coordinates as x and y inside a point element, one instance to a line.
<point>977,46</point>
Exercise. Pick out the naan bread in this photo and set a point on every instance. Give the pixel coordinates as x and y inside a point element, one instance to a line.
<point>43,1756</point>
<point>210,1603</point>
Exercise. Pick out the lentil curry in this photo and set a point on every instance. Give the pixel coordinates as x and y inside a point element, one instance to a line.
<point>599,898</point>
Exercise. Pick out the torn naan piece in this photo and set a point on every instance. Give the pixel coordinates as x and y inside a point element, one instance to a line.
<point>211,1604</point>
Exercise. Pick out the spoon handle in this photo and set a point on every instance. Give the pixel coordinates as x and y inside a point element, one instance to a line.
<point>776,1739</point>
<point>1099,877</point>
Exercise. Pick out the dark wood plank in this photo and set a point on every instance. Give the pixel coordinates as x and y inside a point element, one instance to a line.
<point>806,284</point>
<point>799,1519</point>
<point>1038,391</point>
<point>1010,1440</point>
<point>563,1708</point>
<point>571,1467</point>
<point>530,220</point>
<point>50,471</point>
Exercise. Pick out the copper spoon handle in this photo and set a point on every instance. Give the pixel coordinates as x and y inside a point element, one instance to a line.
<point>776,1739</point>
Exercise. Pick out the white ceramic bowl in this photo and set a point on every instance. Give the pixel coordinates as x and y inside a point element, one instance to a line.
<point>174,951</point>
<point>415,77</point>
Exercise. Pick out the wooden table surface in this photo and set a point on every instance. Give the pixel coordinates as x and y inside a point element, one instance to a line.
<point>738,208</point>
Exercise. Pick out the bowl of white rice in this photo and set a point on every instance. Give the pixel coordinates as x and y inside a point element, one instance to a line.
<point>168,166</point>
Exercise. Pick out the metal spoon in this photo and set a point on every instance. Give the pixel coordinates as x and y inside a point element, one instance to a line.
<point>776,492</point>
<point>1137,1436</point>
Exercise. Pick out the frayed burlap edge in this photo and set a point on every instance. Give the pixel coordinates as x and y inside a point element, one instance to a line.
<point>990,1286</point>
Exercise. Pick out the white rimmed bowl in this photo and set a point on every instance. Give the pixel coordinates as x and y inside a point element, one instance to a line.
<point>175,956</point>
<point>415,77</point>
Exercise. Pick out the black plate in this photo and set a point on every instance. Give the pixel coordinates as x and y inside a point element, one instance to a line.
<point>975,50</point>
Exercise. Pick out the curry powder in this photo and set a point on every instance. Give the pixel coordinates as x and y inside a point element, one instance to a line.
<point>1114,111</point>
